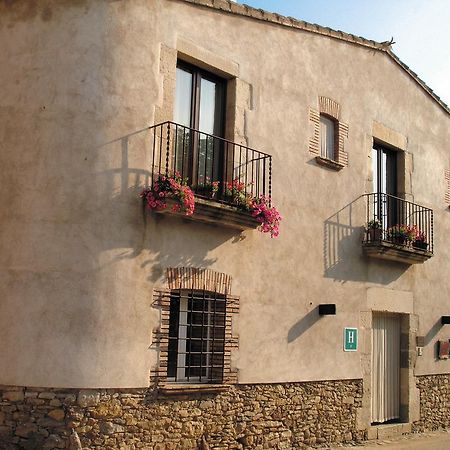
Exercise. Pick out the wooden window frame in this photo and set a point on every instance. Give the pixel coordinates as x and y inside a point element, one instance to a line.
<point>197,75</point>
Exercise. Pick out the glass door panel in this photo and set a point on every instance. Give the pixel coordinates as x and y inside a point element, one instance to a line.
<point>183,116</point>
<point>210,123</point>
<point>384,166</point>
<point>199,105</point>
<point>183,97</point>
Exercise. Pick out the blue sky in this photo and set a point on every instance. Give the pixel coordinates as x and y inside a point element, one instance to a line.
<point>420,28</point>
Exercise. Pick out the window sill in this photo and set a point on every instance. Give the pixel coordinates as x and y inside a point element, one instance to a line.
<point>212,212</point>
<point>329,163</point>
<point>184,389</point>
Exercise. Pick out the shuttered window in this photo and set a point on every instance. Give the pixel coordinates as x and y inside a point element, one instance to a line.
<point>385,367</point>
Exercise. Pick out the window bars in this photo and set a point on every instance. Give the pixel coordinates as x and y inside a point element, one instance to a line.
<point>196,336</point>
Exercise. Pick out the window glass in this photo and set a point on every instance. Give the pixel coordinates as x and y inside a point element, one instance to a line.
<point>183,97</point>
<point>327,138</point>
<point>199,105</point>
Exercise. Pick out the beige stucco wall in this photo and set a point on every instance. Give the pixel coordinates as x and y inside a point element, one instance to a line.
<point>79,260</point>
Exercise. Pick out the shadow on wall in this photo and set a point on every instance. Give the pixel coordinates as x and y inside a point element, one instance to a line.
<point>343,256</point>
<point>141,230</point>
<point>433,331</point>
<point>303,325</point>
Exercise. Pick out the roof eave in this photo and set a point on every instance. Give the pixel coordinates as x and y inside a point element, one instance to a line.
<point>231,7</point>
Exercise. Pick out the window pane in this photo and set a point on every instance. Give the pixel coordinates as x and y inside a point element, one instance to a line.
<point>183,106</point>
<point>375,169</point>
<point>210,122</point>
<point>183,97</point>
<point>327,138</point>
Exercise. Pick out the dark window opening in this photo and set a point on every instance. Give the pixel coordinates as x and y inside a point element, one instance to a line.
<point>385,182</point>
<point>196,337</point>
<point>328,137</point>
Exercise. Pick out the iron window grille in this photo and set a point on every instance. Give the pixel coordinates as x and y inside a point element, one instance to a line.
<point>196,342</point>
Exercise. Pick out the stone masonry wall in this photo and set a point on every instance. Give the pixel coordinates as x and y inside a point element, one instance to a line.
<point>434,402</point>
<point>282,416</point>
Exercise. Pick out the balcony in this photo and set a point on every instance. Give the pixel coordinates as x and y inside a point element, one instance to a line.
<point>222,174</point>
<point>398,230</point>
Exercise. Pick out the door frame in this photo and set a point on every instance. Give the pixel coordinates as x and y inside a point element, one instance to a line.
<point>197,75</point>
<point>409,393</point>
<point>379,381</point>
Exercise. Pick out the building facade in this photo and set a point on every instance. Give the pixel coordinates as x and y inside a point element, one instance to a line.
<point>124,325</point>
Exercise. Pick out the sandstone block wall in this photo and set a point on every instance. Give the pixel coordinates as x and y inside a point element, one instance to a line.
<point>434,402</point>
<point>276,416</point>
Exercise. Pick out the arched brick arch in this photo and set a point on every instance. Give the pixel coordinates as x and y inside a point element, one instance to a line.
<point>198,279</point>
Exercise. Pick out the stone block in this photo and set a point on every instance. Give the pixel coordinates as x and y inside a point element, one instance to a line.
<point>13,396</point>
<point>372,433</point>
<point>57,414</point>
<point>88,398</point>
<point>406,428</point>
<point>348,400</point>
<point>389,431</point>
<point>54,441</point>
<point>26,430</point>
<point>110,428</point>
<point>47,395</point>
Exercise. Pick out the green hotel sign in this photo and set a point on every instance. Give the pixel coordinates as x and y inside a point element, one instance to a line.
<point>350,339</point>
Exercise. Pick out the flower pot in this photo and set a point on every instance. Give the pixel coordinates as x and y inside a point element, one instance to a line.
<point>398,240</point>
<point>420,245</point>
<point>374,234</point>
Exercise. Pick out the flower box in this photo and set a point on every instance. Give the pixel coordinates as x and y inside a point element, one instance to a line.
<point>213,212</point>
<point>394,252</point>
<point>420,245</point>
<point>172,194</point>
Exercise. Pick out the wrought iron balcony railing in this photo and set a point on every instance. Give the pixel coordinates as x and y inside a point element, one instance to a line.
<point>210,164</point>
<point>396,221</point>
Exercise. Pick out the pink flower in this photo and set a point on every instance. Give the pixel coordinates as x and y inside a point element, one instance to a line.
<point>170,187</point>
<point>267,216</point>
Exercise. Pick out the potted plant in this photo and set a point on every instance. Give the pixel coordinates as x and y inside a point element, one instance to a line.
<point>374,230</point>
<point>170,187</point>
<point>206,188</point>
<point>401,234</point>
<point>420,239</point>
<point>235,193</point>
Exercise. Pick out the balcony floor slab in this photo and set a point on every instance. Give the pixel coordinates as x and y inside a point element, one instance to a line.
<point>392,252</point>
<point>215,213</point>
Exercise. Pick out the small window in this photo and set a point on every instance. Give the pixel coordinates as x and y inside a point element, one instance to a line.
<point>196,337</point>
<point>327,138</point>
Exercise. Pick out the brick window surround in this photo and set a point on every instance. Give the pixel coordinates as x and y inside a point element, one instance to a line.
<point>330,109</point>
<point>447,191</point>
<point>201,280</point>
